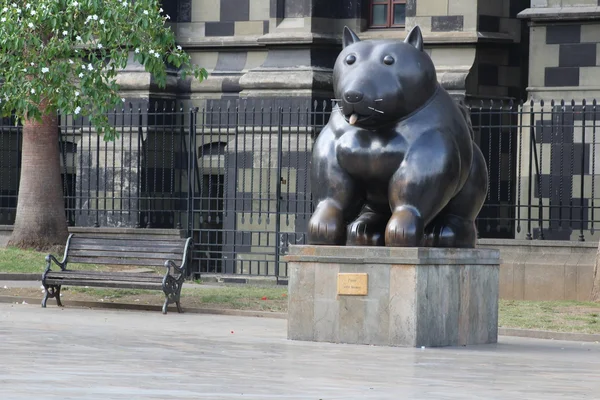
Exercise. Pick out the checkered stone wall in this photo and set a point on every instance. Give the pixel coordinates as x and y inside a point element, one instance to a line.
<point>562,181</point>
<point>229,17</point>
<point>565,55</point>
<point>265,197</point>
<point>442,15</point>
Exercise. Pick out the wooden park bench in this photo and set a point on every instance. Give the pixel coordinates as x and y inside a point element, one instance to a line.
<point>115,250</point>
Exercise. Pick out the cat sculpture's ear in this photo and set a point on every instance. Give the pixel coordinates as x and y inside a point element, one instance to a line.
<point>415,38</point>
<point>349,37</point>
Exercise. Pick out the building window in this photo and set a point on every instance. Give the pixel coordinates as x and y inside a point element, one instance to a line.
<point>387,13</point>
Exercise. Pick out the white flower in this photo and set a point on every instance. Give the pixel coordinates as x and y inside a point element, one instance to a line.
<point>151,52</point>
<point>57,90</point>
<point>70,61</point>
<point>30,24</point>
<point>32,12</point>
<point>101,22</point>
<point>137,50</point>
<point>95,17</point>
<point>88,18</point>
<point>5,9</point>
<point>32,64</point>
<point>124,4</point>
<point>65,33</point>
<point>32,91</point>
<point>81,74</point>
<point>76,94</point>
<point>45,69</point>
<point>78,38</point>
<point>161,10</point>
<point>90,67</point>
<point>178,47</point>
<point>18,11</point>
<point>167,16</point>
<point>77,110</point>
<point>3,19</point>
<point>75,4</point>
<point>157,55</point>
<point>99,45</point>
<point>24,69</point>
<point>145,12</point>
<point>28,6</point>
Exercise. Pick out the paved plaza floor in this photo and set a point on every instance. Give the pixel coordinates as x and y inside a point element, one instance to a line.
<point>113,354</point>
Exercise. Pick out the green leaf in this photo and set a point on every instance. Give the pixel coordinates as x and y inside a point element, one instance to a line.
<point>65,39</point>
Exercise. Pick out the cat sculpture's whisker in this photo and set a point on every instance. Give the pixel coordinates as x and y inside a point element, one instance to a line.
<point>376,110</point>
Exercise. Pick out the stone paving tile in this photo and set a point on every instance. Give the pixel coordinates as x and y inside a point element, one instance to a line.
<point>104,354</point>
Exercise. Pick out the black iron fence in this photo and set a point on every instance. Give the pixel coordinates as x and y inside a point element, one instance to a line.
<point>236,177</point>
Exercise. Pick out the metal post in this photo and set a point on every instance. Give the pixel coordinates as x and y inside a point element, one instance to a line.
<point>582,193</point>
<point>278,191</point>
<point>530,182</point>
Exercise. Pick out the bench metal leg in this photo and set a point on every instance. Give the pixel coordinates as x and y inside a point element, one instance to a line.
<point>172,289</point>
<point>52,291</point>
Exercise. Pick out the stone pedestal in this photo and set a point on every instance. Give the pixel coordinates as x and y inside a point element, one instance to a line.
<point>393,296</point>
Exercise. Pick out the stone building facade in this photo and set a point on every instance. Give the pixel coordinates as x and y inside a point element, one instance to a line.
<point>564,66</point>
<point>284,50</point>
<point>280,53</point>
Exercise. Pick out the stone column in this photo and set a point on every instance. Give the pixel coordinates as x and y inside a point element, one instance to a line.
<point>109,181</point>
<point>109,178</point>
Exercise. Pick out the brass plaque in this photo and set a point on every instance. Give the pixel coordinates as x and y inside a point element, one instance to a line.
<point>353,284</point>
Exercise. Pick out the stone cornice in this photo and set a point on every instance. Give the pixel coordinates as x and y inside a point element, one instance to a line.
<point>560,13</point>
<point>301,38</point>
<point>448,38</point>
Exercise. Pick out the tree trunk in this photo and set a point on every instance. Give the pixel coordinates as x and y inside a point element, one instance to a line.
<point>40,221</point>
<point>596,283</point>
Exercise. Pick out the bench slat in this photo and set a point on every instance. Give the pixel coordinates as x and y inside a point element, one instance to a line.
<point>92,275</point>
<point>110,284</point>
<point>127,237</point>
<point>157,249</point>
<point>129,242</point>
<point>117,261</point>
<point>131,254</point>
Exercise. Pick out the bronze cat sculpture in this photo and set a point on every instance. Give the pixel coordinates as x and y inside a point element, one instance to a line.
<point>396,165</point>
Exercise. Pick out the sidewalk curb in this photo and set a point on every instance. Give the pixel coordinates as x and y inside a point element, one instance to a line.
<point>549,335</point>
<point>525,333</point>
<point>18,276</point>
<point>143,307</point>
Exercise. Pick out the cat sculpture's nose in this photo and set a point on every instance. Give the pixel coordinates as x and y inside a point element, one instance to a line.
<point>353,96</point>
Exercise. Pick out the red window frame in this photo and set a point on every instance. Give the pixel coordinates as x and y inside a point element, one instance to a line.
<point>390,13</point>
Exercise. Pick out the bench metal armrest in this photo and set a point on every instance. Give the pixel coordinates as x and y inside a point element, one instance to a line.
<point>51,259</point>
<point>171,264</point>
<point>180,269</point>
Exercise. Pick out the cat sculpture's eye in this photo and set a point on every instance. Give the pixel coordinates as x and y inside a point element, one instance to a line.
<point>350,59</point>
<point>388,60</point>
